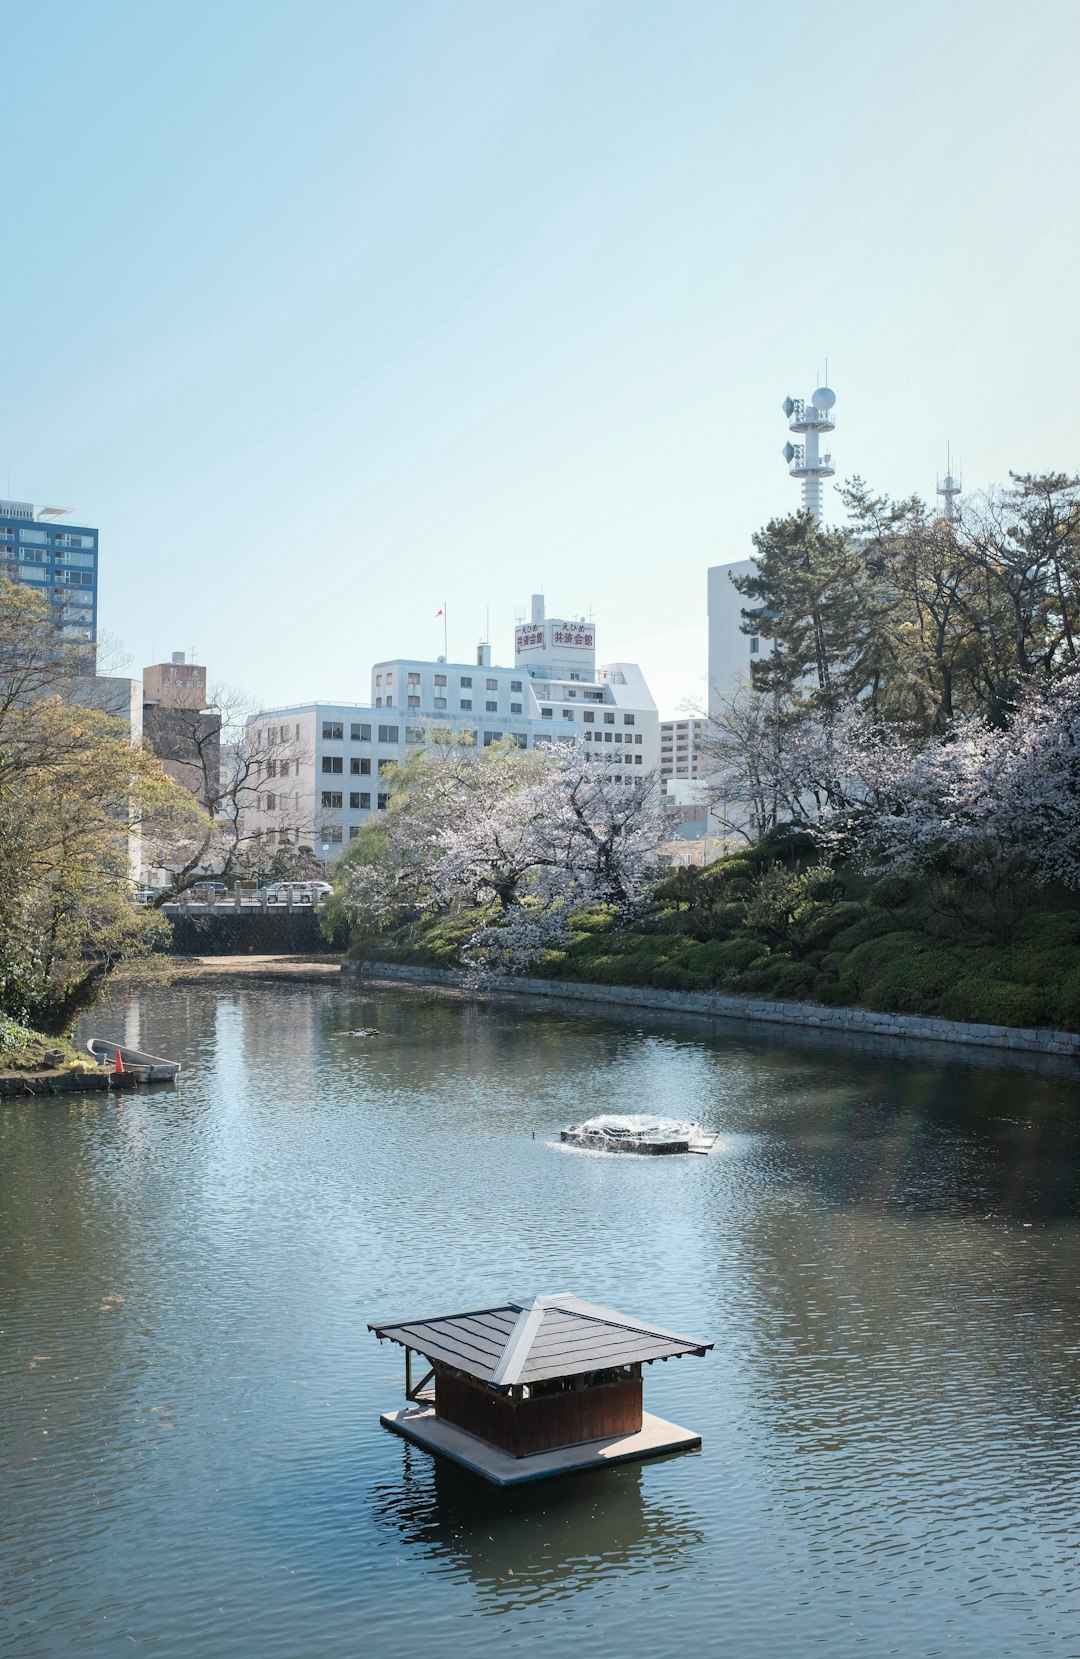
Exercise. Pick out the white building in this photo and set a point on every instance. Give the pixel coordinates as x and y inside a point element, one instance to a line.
<point>732,653</point>
<point>337,752</point>
<point>681,748</point>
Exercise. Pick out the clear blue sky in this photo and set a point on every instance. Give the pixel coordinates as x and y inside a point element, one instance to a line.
<point>329,312</point>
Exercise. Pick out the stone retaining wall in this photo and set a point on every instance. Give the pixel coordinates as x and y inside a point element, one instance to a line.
<point>863,1022</point>
<point>98,1081</point>
<point>229,932</point>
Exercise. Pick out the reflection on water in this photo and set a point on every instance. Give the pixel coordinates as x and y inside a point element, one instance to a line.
<point>884,1248</point>
<point>522,1547</point>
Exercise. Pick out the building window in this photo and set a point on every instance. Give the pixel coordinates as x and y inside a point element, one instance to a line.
<point>332,763</point>
<point>414,734</point>
<point>384,767</point>
<point>389,679</point>
<point>413,702</point>
<point>378,679</point>
<point>637,760</point>
<point>360,731</point>
<point>607,737</point>
<point>609,720</point>
<point>492,737</point>
<point>440,679</point>
<point>384,802</point>
<point>547,714</point>
<point>333,731</point>
<point>332,833</point>
<point>271,768</point>
<point>330,798</point>
<point>378,702</point>
<point>465,682</point>
<point>389,734</point>
<point>360,767</point>
<point>466,702</point>
<point>515,685</point>
<point>628,719</point>
<point>515,708</point>
<point>755,645</point>
<point>284,768</point>
<point>389,701</point>
<point>588,716</point>
<point>491,708</point>
<point>519,740</point>
<point>637,737</point>
<point>354,801</point>
<point>568,714</point>
<point>440,702</point>
<point>354,831</point>
<point>271,803</point>
<point>414,679</point>
<point>365,800</point>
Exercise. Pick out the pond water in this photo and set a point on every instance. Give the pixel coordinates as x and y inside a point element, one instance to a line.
<point>884,1249</point>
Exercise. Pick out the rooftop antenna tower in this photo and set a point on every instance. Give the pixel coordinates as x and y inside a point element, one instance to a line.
<point>806,461</point>
<point>949,487</point>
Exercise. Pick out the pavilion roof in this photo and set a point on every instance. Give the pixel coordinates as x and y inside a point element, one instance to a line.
<point>536,1339</point>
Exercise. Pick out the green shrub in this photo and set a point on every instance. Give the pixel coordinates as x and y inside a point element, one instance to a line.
<point>890,892</point>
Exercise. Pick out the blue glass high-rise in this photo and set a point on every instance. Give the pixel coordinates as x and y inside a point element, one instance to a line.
<point>60,561</point>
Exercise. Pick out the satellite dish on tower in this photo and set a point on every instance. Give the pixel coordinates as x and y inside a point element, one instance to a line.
<point>788,452</point>
<point>823,398</point>
<point>788,407</point>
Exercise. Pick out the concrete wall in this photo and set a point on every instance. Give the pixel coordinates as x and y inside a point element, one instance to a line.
<point>750,1011</point>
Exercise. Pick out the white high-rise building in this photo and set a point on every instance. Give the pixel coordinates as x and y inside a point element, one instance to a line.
<point>554,693</point>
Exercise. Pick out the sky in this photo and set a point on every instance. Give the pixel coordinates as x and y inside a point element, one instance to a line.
<point>329,315</point>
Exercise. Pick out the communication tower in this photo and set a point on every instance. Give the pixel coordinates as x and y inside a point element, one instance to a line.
<point>806,460</point>
<point>949,487</point>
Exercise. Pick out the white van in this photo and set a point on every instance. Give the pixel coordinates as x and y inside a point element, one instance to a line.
<point>301,892</point>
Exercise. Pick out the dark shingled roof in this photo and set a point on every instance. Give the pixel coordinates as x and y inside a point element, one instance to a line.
<point>536,1339</point>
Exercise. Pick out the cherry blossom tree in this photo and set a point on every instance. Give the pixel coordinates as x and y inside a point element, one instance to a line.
<point>521,838</point>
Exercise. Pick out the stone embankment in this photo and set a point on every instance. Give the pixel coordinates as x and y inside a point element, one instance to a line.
<point>87,1081</point>
<point>749,1011</point>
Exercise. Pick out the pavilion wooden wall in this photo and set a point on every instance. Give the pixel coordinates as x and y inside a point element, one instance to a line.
<point>522,1427</point>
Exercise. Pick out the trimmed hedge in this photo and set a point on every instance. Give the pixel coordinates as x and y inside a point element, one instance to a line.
<point>882,946</point>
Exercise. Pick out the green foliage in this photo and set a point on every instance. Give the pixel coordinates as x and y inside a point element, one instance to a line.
<point>815,934</point>
<point>72,787</point>
<point>892,892</point>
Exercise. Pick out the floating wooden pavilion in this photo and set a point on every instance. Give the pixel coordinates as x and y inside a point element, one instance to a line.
<point>520,1391</point>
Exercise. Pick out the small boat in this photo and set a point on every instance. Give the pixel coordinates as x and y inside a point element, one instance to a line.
<point>145,1068</point>
<point>645,1136</point>
<point>622,1140</point>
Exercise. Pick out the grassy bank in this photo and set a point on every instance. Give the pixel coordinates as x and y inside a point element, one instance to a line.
<point>772,927</point>
<point>24,1050</point>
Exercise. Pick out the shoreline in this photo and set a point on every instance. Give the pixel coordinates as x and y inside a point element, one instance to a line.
<point>314,968</point>
<point>995,1044</point>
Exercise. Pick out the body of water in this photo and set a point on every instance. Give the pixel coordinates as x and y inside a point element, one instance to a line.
<point>885,1251</point>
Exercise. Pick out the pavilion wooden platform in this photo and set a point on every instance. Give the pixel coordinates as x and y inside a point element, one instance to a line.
<point>528,1389</point>
<point>655,1438</point>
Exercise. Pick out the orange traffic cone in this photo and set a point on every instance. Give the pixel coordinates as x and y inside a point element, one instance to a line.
<point>119,1066</point>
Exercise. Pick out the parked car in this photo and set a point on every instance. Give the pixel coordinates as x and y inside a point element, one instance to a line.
<point>207,892</point>
<point>301,892</point>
